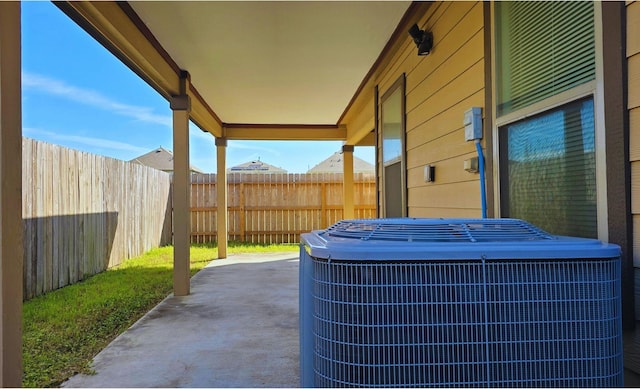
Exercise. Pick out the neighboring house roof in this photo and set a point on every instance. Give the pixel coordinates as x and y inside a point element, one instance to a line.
<point>255,167</point>
<point>335,164</point>
<point>161,159</point>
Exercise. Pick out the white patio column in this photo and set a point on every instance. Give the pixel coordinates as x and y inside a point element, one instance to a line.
<point>221,188</point>
<point>181,106</point>
<point>11,246</point>
<point>348,206</point>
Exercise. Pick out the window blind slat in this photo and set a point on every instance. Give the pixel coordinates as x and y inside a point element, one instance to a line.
<point>550,170</point>
<point>543,48</point>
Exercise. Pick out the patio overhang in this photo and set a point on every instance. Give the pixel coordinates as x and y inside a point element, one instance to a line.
<point>239,70</point>
<point>310,64</point>
<point>253,71</point>
<point>116,26</point>
<point>284,132</point>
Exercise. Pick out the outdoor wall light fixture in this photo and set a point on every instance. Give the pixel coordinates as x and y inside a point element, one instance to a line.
<point>423,39</point>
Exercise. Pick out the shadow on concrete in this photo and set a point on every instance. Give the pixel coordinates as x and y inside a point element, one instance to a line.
<point>237,328</point>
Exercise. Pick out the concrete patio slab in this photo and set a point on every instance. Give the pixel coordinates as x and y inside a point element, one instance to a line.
<point>237,328</point>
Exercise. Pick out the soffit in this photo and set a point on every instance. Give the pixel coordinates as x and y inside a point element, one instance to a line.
<point>274,62</point>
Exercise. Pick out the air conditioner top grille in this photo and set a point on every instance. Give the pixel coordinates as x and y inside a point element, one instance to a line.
<point>438,230</point>
<point>447,239</point>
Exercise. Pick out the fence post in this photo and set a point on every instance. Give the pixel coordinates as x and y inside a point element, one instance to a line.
<point>242,225</point>
<point>323,205</point>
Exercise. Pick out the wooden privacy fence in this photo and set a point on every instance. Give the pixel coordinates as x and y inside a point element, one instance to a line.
<point>83,213</point>
<point>276,208</point>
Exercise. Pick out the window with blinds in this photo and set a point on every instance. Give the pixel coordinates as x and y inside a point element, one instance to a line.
<point>542,49</point>
<point>548,170</point>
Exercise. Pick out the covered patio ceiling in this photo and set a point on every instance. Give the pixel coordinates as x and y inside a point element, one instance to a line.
<point>257,70</point>
<point>239,70</point>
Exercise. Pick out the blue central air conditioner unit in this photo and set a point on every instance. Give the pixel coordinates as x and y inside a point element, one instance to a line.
<point>458,303</point>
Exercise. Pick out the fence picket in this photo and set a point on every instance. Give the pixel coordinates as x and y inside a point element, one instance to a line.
<point>276,208</point>
<point>83,213</point>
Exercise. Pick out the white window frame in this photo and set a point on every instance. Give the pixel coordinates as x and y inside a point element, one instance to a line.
<point>593,88</point>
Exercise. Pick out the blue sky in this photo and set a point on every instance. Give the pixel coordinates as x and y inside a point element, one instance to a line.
<point>78,95</point>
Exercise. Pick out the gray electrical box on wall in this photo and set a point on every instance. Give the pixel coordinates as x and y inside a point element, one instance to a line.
<point>473,124</point>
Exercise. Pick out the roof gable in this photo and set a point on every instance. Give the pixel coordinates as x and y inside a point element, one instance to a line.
<point>161,159</point>
<point>255,167</point>
<point>335,164</point>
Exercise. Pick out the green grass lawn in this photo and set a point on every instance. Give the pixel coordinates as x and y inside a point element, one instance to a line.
<point>63,330</point>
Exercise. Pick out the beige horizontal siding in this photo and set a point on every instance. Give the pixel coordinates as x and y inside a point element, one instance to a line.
<point>439,88</point>
<point>448,171</point>
<point>442,212</point>
<point>458,195</point>
<point>459,87</point>
<point>430,80</point>
<point>406,59</point>
<point>634,81</point>
<point>422,129</point>
<point>441,95</point>
<point>440,149</point>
